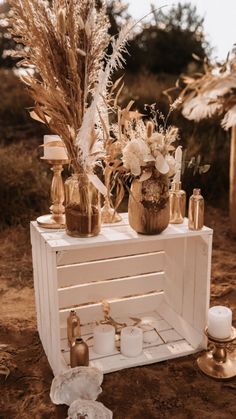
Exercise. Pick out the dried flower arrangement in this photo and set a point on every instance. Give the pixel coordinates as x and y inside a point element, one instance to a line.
<point>212,92</point>
<point>66,46</point>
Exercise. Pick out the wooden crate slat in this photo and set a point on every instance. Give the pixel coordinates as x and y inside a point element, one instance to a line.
<point>150,355</point>
<point>115,288</point>
<point>189,279</point>
<point>54,314</point>
<point>45,296</point>
<point>128,307</point>
<point>109,269</point>
<point>108,251</point>
<point>37,291</point>
<point>202,282</point>
<point>174,270</point>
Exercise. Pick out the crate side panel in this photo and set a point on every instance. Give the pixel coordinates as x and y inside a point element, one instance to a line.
<point>109,269</point>
<point>189,279</point>
<point>116,288</point>
<point>37,290</point>
<point>202,281</point>
<point>56,360</point>
<point>174,270</point>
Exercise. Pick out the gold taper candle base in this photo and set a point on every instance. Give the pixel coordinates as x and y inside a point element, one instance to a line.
<point>47,221</point>
<point>56,219</point>
<point>219,363</point>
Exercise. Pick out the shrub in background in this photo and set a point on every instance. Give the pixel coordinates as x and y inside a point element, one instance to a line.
<point>24,184</point>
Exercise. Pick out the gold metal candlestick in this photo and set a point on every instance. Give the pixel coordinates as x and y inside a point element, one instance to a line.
<point>219,362</point>
<point>56,219</point>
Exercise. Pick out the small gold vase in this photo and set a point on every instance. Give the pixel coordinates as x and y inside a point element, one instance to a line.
<point>79,354</point>
<point>177,203</point>
<point>73,327</point>
<point>82,207</point>
<point>149,207</point>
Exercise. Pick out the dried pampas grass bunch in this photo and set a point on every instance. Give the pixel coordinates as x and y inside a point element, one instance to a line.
<point>66,52</point>
<point>212,93</point>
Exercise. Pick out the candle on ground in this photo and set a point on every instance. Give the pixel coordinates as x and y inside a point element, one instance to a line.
<point>104,339</point>
<point>131,341</point>
<point>54,153</point>
<point>219,322</point>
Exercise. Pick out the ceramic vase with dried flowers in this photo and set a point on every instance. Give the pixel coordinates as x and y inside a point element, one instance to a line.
<point>148,156</point>
<point>66,49</point>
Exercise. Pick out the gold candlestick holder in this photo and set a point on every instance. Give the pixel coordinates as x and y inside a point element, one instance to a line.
<point>219,362</point>
<point>56,219</point>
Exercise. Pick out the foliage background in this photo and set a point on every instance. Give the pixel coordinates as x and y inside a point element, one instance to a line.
<point>159,53</point>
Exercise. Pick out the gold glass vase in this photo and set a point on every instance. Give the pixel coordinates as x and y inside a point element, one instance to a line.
<point>82,207</point>
<point>149,208</point>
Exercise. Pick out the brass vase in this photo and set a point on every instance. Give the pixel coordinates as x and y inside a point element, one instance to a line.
<point>196,211</point>
<point>82,207</point>
<point>149,208</point>
<point>177,203</point>
<point>79,353</point>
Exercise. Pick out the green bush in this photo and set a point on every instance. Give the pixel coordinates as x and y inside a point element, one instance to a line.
<point>15,121</point>
<point>24,184</point>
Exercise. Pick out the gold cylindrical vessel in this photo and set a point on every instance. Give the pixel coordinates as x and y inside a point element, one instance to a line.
<point>148,208</point>
<point>79,354</point>
<point>177,203</point>
<point>196,211</point>
<point>82,207</point>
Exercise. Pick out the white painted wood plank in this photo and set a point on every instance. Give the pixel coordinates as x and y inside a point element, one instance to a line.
<point>149,356</point>
<point>115,288</point>
<point>174,271</point>
<point>109,269</point>
<point>107,251</point>
<point>193,336</point>
<point>46,300</point>
<point>59,240</point>
<point>38,304</point>
<point>202,282</point>
<point>43,314</point>
<point>189,279</point>
<point>128,307</point>
<point>56,359</point>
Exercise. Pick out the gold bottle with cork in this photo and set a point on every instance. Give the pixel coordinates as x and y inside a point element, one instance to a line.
<point>73,327</point>
<point>79,353</point>
<point>177,203</point>
<point>196,211</point>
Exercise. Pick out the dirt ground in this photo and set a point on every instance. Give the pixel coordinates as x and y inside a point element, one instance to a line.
<point>171,389</point>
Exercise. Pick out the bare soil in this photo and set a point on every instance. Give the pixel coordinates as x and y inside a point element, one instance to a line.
<point>172,389</point>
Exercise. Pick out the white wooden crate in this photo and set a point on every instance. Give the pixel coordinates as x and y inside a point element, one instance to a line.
<point>166,276</point>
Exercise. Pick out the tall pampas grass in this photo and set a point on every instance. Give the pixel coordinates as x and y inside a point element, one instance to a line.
<point>65,46</point>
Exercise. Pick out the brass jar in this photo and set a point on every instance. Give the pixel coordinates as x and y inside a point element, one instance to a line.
<point>79,353</point>
<point>82,207</point>
<point>149,208</point>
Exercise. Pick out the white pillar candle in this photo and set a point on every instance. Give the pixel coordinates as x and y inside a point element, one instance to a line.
<point>57,152</point>
<point>104,339</point>
<point>219,322</point>
<point>131,341</point>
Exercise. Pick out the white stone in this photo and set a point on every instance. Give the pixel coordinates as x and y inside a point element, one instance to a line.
<point>88,409</point>
<point>76,383</point>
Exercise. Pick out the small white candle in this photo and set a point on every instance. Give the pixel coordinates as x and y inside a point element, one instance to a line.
<point>57,152</point>
<point>219,322</point>
<point>131,341</point>
<point>104,339</point>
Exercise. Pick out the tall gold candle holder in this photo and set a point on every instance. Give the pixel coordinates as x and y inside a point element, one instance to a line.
<point>56,219</point>
<point>219,362</point>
